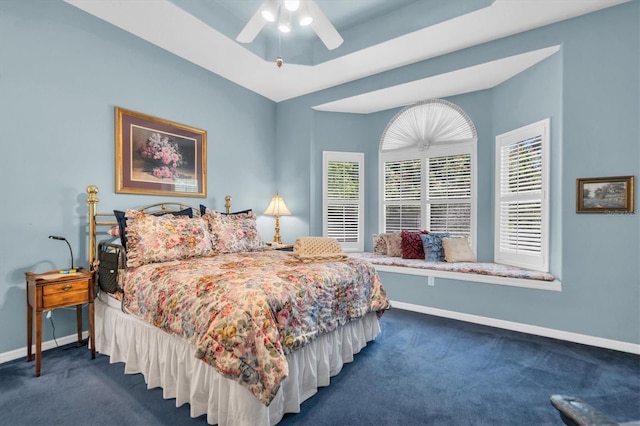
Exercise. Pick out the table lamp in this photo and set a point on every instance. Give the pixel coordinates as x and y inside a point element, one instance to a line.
<point>277,208</point>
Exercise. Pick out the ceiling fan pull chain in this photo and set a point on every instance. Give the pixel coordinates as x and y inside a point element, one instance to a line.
<point>279,60</point>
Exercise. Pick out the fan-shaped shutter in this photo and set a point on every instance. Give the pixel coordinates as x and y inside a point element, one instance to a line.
<point>434,121</point>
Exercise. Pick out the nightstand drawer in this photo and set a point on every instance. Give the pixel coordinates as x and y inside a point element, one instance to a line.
<point>64,299</point>
<point>66,293</point>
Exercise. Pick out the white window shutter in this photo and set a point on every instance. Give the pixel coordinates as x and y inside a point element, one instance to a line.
<point>448,194</point>
<point>402,195</point>
<point>343,198</point>
<point>521,237</point>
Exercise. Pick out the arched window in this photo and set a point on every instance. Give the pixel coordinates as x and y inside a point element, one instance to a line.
<point>428,170</point>
<point>428,123</point>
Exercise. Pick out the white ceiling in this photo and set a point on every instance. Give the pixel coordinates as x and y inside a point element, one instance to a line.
<point>196,41</point>
<point>465,80</point>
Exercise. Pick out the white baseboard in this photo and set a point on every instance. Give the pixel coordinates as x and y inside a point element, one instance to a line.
<point>523,328</point>
<point>476,319</point>
<point>22,353</point>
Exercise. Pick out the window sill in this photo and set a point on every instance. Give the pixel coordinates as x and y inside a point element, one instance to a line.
<point>554,285</point>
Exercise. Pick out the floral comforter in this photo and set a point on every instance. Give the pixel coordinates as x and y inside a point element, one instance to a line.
<point>245,311</point>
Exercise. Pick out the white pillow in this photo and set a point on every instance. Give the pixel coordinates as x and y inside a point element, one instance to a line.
<point>457,250</point>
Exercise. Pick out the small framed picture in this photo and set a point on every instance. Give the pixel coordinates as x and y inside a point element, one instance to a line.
<point>605,195</point>
<point>155,156</point>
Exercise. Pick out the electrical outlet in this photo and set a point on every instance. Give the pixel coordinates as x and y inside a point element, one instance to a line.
<point>431,281</point>
<point>49,312</point>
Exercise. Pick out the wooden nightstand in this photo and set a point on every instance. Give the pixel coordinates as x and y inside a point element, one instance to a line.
<point>52,290</point>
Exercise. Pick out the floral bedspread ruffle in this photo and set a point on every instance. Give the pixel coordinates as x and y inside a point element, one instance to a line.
<point>245,311</point>
<point>481,268</point>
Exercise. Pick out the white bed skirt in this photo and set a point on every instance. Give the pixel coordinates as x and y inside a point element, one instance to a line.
<point>168,362</point>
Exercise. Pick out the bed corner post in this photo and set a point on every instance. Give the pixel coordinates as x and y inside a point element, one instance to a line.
<point>227,203</point>
<point>92,201</point>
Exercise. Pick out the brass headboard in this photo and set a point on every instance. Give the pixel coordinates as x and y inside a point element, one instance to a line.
<point>95,221</point>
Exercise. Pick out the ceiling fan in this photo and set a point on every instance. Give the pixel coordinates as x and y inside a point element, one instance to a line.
<point>306,11</point>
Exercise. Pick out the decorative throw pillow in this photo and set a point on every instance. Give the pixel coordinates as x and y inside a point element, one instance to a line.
<point>379,245</point>
<point>412,247</point>
<point>163,238</point>
<point>457,250</point>
<point>234,233</point>
<point>318,249</point>
<point>203,210</point>
<point>394,244</point>
<point>432,245</point>
<point>122,222</point>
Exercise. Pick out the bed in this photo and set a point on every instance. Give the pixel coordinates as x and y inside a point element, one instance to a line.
<point>242,333</point>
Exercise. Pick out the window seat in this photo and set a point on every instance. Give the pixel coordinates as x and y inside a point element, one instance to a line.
<point>485,272</point>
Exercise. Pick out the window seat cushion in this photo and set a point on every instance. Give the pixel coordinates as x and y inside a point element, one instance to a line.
<point>481,268</point>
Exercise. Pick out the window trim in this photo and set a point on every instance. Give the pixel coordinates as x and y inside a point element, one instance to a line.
<point>340,156</point>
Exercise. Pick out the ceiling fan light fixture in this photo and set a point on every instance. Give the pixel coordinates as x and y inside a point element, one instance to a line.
<point>304,17</point>
<point>284,24</point>
<point>291,5</point>
<point>305,20</point>
<point>268,16</point>
<point>308,14</point>
<point>269,10</point>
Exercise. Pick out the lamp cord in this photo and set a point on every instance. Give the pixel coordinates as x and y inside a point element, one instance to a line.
<point>53,326</point>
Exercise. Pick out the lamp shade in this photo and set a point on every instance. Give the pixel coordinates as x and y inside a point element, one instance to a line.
<point>277,207</point>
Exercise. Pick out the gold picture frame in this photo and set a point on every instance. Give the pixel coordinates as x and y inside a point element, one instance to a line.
<point>155,156</point>
<point>605,195</point>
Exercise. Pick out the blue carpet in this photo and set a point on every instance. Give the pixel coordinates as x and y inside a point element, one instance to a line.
<point>422,370</point>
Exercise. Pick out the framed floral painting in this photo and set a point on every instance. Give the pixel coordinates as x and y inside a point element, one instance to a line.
<point>155,156</point>
<point>605,195</point>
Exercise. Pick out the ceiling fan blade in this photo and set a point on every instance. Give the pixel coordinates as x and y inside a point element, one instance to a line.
<point>323,27</point>
<point>253,27</point>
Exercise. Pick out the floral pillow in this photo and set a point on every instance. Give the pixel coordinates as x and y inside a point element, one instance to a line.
<point>394,244</point>
<point>203,211</point>
<point>234,233</point>
<point>412,247</point>
<point>122,223</point>
<point>432,246</point>
<point>379,245</point>
<point>163,238</point>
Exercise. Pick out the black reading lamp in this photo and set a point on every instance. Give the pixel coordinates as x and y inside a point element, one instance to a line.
<point>55,237</point>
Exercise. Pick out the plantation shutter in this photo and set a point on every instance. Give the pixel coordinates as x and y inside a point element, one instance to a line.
<point>402,195</point>
<point>520,203</point>
<point>449,194</point>
<point>343,199</point>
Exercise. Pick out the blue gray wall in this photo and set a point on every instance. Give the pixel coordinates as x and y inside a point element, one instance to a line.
<point>63,71</point>
<point>590,89</point>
